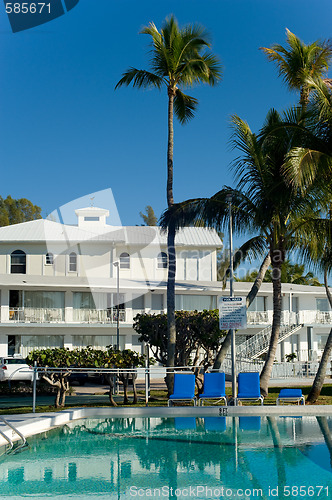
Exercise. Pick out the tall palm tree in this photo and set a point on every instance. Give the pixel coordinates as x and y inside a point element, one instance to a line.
<point>321,372</point>
<point>290,273</point>
<point>263,203</point>
<point>180,58</point>
<point>298,62</point>
<point>310,165</point>
<point>311,162</point>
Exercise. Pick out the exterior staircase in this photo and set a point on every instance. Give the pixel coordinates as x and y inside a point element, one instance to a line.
<point>259,343</point>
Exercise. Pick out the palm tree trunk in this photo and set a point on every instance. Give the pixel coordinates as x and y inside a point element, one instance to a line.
<point>250,297</point>
<point>304,97</point>
<point>276,260</point>
<point>171,328</point>
<point>321,372</point>
<point>259,279</point>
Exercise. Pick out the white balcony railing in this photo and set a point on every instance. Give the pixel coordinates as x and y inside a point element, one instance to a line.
<point>290,318</point>
<point>98,315</point>
<point>40,315</point>
<point>258,317</point>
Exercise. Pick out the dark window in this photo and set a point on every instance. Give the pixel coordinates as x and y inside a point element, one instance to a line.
<point>91,219</point>
<point>125,260</point>
<point>49,258</point>
<point>73,262</point>
<point>18,262</point>
<point>162,260</point>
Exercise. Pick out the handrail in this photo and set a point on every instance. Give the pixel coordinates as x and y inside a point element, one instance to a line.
<point>15,430</point>
<point>7,439</point>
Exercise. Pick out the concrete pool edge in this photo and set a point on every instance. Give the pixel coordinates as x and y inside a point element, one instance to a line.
<point>30,424</point>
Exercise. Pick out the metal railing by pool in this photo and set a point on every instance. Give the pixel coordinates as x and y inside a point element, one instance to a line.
<point>279,371</point>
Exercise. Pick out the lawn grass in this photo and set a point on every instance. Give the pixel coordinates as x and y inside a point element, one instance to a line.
<point>159,398</point>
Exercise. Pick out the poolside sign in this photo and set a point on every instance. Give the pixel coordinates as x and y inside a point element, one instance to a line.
<point>232,313</point>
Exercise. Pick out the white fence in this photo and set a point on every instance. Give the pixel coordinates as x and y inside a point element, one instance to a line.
<point>279,370</point>
<point>307,317</point>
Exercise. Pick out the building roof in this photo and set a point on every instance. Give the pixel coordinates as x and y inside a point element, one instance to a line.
<point>42,230</point>
<point>23,281</point>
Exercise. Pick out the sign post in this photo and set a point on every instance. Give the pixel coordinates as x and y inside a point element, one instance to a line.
<point>232,313</point>
<point>232,316</point>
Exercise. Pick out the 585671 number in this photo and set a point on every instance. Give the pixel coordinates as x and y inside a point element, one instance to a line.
<point>27,8</point>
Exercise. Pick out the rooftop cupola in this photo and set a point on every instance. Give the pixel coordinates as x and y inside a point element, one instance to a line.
<point>91,218</point>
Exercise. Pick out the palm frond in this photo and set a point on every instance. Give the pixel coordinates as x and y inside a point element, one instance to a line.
<point>184,106</point>
<point>140,79</point>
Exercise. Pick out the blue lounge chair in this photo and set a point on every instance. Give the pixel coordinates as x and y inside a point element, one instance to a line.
<point>290,396</point>
<point>214,388</point>
<point>249,388</point>
<point>184,388</point>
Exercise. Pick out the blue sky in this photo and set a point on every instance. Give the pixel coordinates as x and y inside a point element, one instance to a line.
<point>65,132</point>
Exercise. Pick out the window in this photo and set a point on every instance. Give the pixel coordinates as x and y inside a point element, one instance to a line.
<point>258,304</point>
<point>18,262</point>
<point>162,260</point>
<point>195,302</point>
<point>137,303</point>
<point>157,302</point>
<point>30,342</point>
<point>322,305</point>
<point>124,261</point>
<point>73,262</point>
<point>49,259</point>
<point>91,219</point>
<point>322,339</point>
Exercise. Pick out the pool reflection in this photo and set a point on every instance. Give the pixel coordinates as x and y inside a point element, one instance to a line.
<point>113,455</point>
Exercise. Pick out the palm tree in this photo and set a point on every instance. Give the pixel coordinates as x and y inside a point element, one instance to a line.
<point>290,273</point>
<point>179,59</point>
<point>263,203</point>
<point>312,165</point>
<point>321,372</point>
<point>299,61</point>
<point>311,162</point>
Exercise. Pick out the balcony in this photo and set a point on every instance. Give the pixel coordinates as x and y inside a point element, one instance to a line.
<point>98,315</point>
<point>32,315</point>
<point>310,317</point>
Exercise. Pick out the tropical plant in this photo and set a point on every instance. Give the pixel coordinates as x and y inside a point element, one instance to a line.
<point>290,273</point>
<point>58,364</point>
<point>263,203</point>
<point>311,161</point>
<point>324,262</point>
<point>179,59</point>
<point>196,343</point>
<point>149,217</point>
<point>298,62</point>
<point>309,165</point>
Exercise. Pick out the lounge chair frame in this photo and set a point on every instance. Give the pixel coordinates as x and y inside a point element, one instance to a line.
<point>248,398</point>
<point>182,396</point>
<point>219,397</point>
<point>286,396</point>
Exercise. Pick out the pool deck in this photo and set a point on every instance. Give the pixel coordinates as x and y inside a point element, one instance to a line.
<point>35,423</point>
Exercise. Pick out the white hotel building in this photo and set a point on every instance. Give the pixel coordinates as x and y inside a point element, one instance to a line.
<point>58,286</point>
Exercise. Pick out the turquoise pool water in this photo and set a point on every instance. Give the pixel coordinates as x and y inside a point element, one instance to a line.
<point>202,458</point>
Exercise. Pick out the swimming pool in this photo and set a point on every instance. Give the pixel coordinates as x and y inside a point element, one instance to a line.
<point>184,457</point>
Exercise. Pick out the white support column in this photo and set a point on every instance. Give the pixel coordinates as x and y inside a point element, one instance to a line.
<point>68,342</point>
<point>4,306</point>
<point>128,342</point>
<point>3,345</point>
<point>68,307</point>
